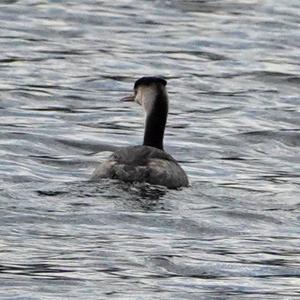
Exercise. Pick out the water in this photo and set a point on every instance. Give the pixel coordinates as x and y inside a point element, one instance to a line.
<point>233,79</point>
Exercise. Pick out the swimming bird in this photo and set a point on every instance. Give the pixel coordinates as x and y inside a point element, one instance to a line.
<point>148,162</point>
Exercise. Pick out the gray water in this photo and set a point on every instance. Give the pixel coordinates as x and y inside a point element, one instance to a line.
<point>233,71</point>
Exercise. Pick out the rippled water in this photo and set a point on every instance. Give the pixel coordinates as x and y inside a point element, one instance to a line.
<point>233,80</point>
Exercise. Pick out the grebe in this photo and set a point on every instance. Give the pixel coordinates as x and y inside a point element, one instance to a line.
<point>148,162</point>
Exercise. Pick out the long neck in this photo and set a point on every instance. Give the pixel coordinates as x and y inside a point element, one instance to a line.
<point>156,120</point>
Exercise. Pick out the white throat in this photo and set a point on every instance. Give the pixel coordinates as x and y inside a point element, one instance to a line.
<point>146,96</point>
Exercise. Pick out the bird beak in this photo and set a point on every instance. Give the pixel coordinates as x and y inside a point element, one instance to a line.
<point>128,98</point>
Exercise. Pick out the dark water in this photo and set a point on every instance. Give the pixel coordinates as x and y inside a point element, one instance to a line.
<point>233,77</point>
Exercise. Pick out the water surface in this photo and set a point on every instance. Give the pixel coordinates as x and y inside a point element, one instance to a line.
<point>234,125</point>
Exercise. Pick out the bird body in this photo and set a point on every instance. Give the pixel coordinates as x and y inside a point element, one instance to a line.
<point>143,164</point>
<point>147,162</point>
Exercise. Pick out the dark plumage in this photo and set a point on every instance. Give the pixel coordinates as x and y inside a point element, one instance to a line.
<point>143,164</point>
<point>149,80</point>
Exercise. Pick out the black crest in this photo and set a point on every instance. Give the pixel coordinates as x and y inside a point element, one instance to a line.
<point>149,80</point>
